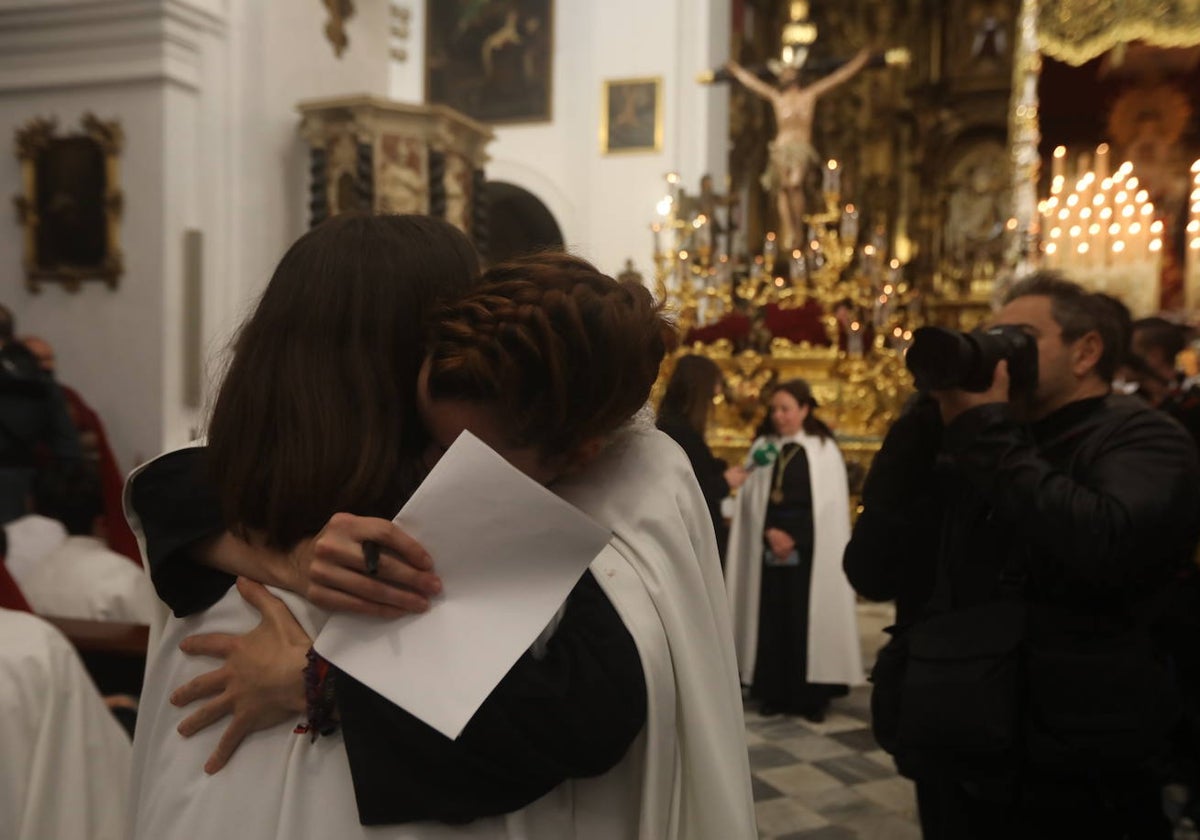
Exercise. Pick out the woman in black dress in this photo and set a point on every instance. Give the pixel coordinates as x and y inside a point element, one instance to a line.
<point>683,415</point>
<point>780,541</point>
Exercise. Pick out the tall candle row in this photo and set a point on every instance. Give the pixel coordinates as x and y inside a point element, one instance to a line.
<point>1099,220</point>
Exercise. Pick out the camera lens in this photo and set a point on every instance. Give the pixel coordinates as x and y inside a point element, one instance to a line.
<point>939,359</point>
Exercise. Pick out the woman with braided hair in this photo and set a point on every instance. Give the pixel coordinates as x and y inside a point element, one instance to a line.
<point>629,724</point>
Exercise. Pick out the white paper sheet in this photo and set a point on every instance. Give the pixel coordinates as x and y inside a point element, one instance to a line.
<point>508,552</point>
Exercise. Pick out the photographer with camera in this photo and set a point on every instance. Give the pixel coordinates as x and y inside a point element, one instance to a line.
<point>1028,523</point>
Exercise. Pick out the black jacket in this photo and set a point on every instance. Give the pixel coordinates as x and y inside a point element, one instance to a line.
<point>1101,500</point>
<point>1096,508</point>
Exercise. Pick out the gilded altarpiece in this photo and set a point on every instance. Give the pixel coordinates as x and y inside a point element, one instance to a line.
<point>923,161</point>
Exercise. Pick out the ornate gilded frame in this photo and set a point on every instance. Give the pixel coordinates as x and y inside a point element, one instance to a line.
<point>33,141</point>
<point>607,145</point>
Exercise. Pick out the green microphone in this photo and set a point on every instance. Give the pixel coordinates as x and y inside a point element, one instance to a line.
<point>764,455</point>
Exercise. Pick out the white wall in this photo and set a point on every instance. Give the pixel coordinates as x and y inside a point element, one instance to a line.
<point>605,204</point>
<point>107,59</point>
<point>206,93</point>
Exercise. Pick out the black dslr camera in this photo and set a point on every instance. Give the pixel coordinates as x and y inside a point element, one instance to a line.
<point>942,360</point>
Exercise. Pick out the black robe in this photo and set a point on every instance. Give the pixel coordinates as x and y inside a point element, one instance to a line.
<point>782,660</point>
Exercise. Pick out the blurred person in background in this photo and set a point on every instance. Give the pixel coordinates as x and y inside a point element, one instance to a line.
<point>94,443</point>
<point>33,419</point>
<point>683,415</point>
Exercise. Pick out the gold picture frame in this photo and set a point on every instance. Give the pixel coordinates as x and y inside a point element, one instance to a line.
<point>71,202</point>
<point>631,116</point>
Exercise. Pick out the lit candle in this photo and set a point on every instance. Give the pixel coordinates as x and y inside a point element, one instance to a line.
<point>849,227</point>
<point>673,187</point>
<point>769,251</point>
<point>798,269</point>
<point>1102,161</point>
<point>684,268</point>
<point>831,182</point>
<point>854,339</point>
<point>1059,164</point>
<point>703,238</point>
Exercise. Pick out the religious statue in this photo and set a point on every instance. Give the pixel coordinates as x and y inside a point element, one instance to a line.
<point>792,152</point>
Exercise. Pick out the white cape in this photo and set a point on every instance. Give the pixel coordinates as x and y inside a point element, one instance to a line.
<point>65,768</point>
<point>686,775</point>
<point>834,649</point>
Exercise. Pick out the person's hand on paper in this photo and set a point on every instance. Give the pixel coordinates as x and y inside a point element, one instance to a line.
<point>330,569</point>
<point>261,682</point>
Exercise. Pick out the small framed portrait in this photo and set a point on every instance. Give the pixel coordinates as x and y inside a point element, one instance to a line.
<point>71,203</point>
<point>631,117</point>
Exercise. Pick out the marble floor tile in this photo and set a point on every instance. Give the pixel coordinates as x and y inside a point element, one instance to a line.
<point>799,780</point>
<point>859,740</point>
<point>881,758</point>
<point>765,756</point>
<point>834,722</point>
<point>841,804</point>
<point>810,747</point>
<point>896,794</point>
<point>829,832</point>
<point>785,816</point>
<point>887,827</point>
<point>854,768</point>
<point>763,791</point>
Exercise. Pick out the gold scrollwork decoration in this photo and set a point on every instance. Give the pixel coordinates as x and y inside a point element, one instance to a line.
<point>70,204</point>
<point>1076,31</point>
<point>860,397</point>
<point>339,11</point>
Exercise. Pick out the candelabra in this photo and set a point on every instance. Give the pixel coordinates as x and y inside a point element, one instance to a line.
<point>840,281</point>
<point>1104,231</point>
<point>855,286</point>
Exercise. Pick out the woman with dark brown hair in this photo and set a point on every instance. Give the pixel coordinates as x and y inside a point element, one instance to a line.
<point>543,361</point>
<point>683,415</point>
<point>794,612</point>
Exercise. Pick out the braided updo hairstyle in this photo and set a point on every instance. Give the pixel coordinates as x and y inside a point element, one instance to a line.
<point>565,354</point>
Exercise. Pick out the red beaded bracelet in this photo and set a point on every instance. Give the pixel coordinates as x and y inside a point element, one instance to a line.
<point>319,696</point>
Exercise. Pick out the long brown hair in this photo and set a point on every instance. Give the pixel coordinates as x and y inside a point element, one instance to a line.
<point>689,394</point>
<point>565,353</point>
<point>317,412</point>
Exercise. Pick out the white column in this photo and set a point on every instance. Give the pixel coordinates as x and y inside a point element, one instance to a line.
<point>1024,137</point>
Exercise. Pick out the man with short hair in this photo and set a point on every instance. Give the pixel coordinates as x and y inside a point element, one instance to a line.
<point>1063,513</point>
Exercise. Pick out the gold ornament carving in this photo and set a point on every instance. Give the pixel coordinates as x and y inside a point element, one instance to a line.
<point>340,11</point>
<point>1076,31</point>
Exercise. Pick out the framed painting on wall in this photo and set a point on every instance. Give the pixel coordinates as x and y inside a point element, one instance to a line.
<point>491,59</point>
<point>631,118</point>
<point>71,203</point>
